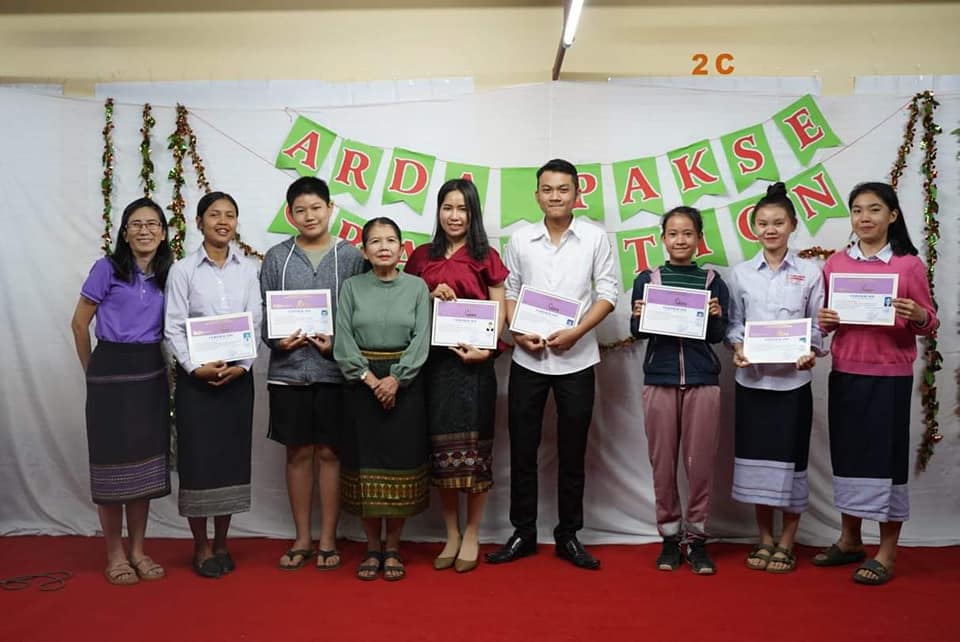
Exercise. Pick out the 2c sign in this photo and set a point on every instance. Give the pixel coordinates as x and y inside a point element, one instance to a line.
<point>723,63</point>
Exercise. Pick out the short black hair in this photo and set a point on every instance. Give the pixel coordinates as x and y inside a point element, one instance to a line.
<point>691,213</point>
<point>561,167</point>
<point>307,185</point>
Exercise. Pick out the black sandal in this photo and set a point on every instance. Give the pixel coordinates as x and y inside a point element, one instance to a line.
<point>323,556</point>
<point>393,573</point>
<point>368,571</point>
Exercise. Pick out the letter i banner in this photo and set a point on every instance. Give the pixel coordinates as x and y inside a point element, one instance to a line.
<point>638,187</point>
<point>355,170</point>
<point>711,248</point>
<point>749,157</point>
<point>805,129</point>
<point>695,170</point>
<point>816,198</point>
<point>476,174</point>
<point>348,226</point>
<point>306,147</point>
<point>518,202</point>
<point>590,197</point>
<point>638,250</point>
<point>408,179</point>
<point>740,213</point>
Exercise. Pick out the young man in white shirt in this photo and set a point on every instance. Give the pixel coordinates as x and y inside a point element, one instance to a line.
<point>571,258</point>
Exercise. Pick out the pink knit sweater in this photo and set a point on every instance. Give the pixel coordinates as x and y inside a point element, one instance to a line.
<point>885,351</point>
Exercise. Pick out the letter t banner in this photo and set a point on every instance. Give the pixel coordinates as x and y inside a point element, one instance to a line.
<point>805,129</point>
<point>695,170</point>
<point>306,147</point>
<point>408,178</point>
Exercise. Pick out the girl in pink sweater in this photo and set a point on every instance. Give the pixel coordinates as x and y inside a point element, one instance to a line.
<point>871,385</point>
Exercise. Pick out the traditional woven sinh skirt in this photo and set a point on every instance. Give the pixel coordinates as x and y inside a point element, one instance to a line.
<point>214,428</point>
<point>870,445</point>
<point>771,447</point>
<point>383,454</point>
<point>128,422</point>
<point>461,407</point>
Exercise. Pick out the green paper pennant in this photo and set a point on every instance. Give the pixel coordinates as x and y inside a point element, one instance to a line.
<point>749,157</point>
<point>411,241</point>
<point>408,178</point>
<point>638,187</point>
<point>306,147</point>
<point>816,198</point>
<point>518,186</point>
<point>348,226</point>
<point>711,249</point>
<point>805,129</point>
<point>639,250</point>
<point>281,223</point>
<point>355,170</point>
<point>478,174</point>
<point>590,197</point>
<point>740,217</point>
<point>695,171</point>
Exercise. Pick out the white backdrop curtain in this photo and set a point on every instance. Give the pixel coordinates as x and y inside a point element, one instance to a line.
<point>50,205</point>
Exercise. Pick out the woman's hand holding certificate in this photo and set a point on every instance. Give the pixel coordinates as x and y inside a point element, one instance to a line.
<point>465,322</point>
<point>864,299</point>
<point>785,341</point>
<point>676,312</point>
<point>224,337</point>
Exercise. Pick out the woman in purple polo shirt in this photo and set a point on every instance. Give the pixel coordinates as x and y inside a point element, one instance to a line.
<point>128,430</point>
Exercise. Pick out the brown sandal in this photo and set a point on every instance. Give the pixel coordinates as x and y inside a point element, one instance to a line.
<point>153,571</point>
<point>121,574</point>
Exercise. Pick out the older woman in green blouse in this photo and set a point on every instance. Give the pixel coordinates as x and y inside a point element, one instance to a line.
<point>381,341</point>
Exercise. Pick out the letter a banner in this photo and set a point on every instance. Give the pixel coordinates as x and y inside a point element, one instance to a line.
<point>408,179</point>
<point>355,170</point>
<point>638,250</point>
<point>805,129</point>
<point>816,198</point>
<point>695,170</point>
<point>476,174</point>
<point>638,187</point>
<point>749,157</point>
<point>306,147</point>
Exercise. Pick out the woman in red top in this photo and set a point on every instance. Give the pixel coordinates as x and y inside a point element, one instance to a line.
<point>461,382</point>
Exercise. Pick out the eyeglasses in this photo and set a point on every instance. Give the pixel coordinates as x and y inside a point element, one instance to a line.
<point>136,226</point>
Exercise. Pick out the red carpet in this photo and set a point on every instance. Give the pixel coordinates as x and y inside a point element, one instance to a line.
<point>538,598</point>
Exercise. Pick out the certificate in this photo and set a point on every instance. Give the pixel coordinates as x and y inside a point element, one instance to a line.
<point>542,313</point>
<point>864,299</point>
<point>465,321</point>
<point>306,310</point>
<point>225,337</point>
<point>676,312</point>
<point>776,341</point>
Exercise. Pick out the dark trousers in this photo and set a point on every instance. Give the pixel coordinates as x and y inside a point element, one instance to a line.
<point>527,396</point>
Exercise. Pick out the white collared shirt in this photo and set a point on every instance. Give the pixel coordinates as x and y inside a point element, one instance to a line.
<point>793,291</point>
<point>581,267</point>
<point>198,287</point>
<point>885,253</point>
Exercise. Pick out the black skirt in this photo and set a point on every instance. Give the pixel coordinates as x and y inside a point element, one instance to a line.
<point>383,453</point>
<point>214,428</point>
<point>128,422</point>
<point>461,407</point>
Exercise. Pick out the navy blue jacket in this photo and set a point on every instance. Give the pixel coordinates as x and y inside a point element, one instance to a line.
<point>673,361</point>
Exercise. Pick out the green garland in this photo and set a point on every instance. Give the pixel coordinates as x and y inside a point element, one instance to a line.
<point>177,144</point>
<point>106,182</point>
<point>146,164</point>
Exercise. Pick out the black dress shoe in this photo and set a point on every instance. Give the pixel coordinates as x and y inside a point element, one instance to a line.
<point>226,562</point>
<point>209,567</point>
<point>515,548</point>
<point>574,552</point>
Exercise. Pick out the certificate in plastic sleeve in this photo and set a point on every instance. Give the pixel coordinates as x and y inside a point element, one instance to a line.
<point>467,321</point>
<point>541,313</point>
<point>224,337</point>
<point>676,312</point>
<point>776,341</point>
<point>307,310</point>
<point>864,299</point>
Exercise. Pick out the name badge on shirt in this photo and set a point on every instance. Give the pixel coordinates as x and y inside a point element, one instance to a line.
<point>796,279</point>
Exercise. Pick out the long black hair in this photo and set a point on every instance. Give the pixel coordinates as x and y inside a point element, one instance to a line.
<point>897,234</point>
<point>122,257</point>
<point>477,243</point>
<point>776,196</point>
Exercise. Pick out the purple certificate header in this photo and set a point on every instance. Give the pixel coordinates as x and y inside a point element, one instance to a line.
<point>691,299</point>
<point>459,310</point>
<point>293,300</point>
<point>863,285</point>
<point>219,326</point>
<point>550,303</point>
<point>796,329</point>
